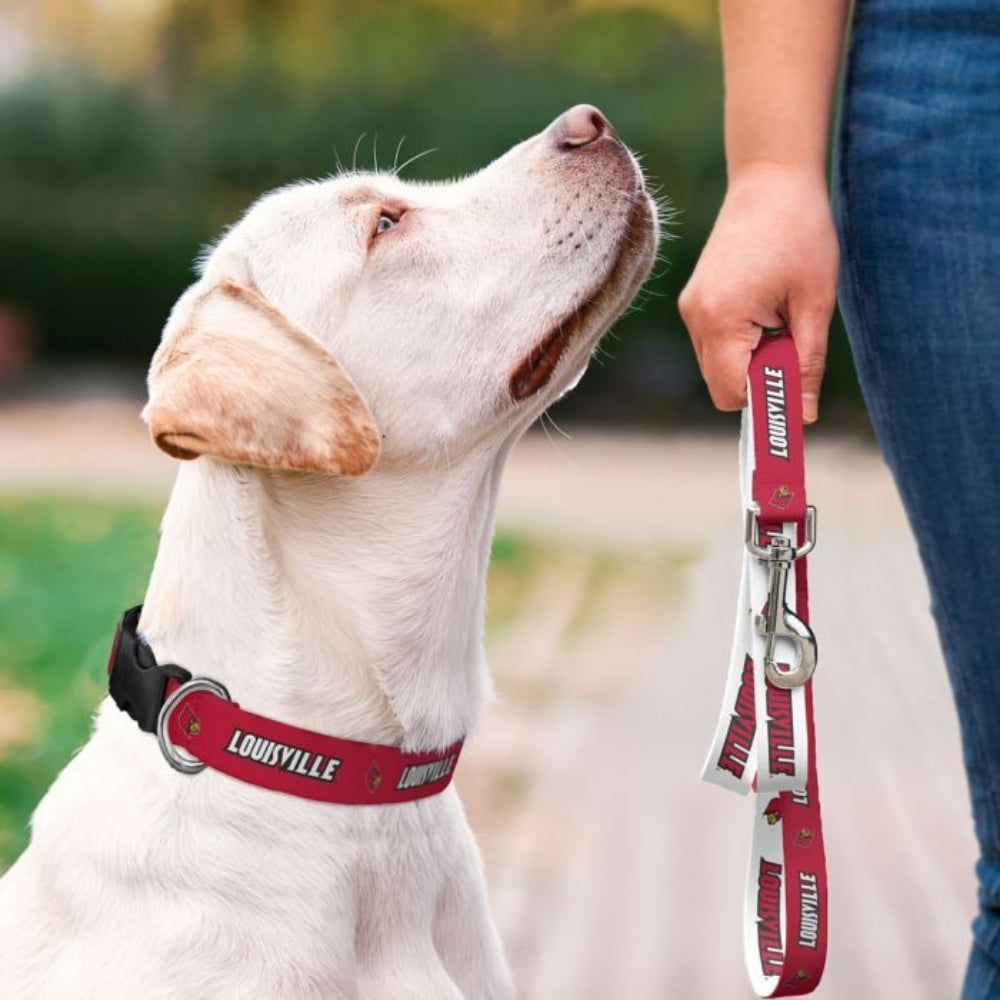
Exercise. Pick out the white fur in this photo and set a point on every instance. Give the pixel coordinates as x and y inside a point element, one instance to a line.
<point>350,605</point>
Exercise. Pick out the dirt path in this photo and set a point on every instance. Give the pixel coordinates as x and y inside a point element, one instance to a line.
<point>608,671</point>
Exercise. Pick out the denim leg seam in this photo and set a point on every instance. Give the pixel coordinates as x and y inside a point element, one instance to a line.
<point>987,988</point>
<point>992,938</point>
<point>871,357</point>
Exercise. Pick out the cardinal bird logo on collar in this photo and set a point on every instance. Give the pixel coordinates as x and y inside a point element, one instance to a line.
<point>189,722</point>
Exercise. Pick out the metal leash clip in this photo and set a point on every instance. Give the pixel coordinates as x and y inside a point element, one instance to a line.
<point>777,621</point>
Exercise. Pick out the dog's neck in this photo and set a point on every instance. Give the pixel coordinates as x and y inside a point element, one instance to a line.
<point>350,606</point>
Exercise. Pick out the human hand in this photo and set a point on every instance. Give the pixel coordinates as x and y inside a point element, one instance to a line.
<point>770,261</point>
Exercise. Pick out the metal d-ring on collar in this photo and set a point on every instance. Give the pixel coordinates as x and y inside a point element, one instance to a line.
<point>778,622</point>
<point>184,763</point>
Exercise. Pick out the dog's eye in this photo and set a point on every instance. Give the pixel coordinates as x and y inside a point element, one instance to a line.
<point>385,221</point>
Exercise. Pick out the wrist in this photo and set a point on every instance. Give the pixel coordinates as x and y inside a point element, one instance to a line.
<point>802,173</point>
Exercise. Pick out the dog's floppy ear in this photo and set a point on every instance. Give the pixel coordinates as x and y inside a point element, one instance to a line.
<point>235,378</point>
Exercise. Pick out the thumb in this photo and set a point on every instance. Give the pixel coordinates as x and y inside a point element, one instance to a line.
<point>810,328</point>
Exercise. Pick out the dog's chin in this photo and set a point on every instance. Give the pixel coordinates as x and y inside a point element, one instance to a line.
<point>588,321</point>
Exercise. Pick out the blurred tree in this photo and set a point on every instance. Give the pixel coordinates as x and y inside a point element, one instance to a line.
<point>150,125</point>
<point>117,37</point>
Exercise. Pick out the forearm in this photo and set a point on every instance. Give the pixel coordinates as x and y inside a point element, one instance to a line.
<point>781,59</point>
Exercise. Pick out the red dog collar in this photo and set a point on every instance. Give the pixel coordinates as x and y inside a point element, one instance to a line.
<point>198,725</point>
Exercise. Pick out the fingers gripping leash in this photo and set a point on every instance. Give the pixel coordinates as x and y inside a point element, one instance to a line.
<point>764,741</point>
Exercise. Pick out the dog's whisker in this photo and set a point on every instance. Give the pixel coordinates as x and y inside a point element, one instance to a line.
<point>395,159</point>
<point>545,430</point>
<point>354,158</point>
<point>413,159</point>
<point>548,415</point>
<point>570,464</point>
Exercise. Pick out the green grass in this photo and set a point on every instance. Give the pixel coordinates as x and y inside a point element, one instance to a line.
<point>68,568</point>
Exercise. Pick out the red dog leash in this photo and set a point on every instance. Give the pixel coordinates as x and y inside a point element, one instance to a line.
<point>198,725</point>
<point>765,739</point>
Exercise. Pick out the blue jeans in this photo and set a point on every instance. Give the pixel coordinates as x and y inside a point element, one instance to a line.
<point>917,202</point>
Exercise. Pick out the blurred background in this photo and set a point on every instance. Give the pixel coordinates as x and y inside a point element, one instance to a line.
<point>132,132</point>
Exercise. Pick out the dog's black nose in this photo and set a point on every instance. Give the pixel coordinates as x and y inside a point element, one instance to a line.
<point>580,126</point>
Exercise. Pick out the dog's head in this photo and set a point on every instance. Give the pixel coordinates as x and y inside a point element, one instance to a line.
<point>364,314</point>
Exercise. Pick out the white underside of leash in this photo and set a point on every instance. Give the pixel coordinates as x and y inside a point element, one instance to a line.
<point>774,755</point>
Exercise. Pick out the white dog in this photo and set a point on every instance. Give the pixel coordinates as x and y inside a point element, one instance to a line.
<point>353,367</point>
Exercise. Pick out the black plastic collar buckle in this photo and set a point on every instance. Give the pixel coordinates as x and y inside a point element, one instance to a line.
<point>136,681</point>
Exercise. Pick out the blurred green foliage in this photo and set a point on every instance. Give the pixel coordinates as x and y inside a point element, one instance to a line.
<point>68,568</point>
<point>111,182</point>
